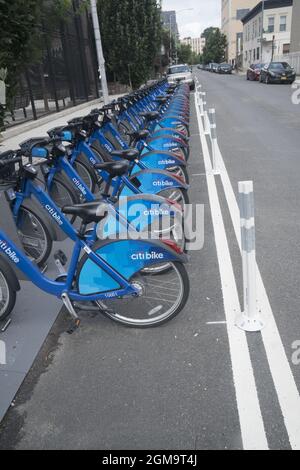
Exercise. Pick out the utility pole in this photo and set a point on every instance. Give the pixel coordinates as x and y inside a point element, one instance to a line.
<point>262,30</point>
<point>101,60</point>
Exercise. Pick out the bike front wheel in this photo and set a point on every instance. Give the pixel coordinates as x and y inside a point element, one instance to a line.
<point>7,296</point>
<point>34,235</point>
<point>162,296</point>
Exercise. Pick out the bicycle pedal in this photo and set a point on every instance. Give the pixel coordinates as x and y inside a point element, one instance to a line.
<point>61,257</point>
<point>74,326</point>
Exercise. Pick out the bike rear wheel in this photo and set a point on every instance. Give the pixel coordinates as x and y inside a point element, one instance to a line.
<point>163,295</point>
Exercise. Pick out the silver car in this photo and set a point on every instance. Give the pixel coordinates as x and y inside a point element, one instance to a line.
<point>181,74</point>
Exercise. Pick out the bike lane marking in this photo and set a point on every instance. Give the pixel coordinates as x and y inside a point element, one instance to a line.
<point>250,416</point>
<point>281,372</point>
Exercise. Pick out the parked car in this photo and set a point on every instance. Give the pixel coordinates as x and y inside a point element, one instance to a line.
<point>212,67</point>
<point>225,68</point>
<point>277,72</point>
<point>181,73</point>
<point>253,72</point>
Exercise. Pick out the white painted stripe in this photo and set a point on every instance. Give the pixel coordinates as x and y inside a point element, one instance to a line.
<point>251,422</point>
<point>216,323</point>
<point>283,378</point>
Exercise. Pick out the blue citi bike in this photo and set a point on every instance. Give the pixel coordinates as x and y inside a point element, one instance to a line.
<point>112,277</point>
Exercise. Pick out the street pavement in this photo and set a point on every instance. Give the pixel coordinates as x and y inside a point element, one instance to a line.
<point>109,387</point>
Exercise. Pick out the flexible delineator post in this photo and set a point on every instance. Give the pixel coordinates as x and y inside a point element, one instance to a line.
<point>250,319</point>
<point>213,134</point>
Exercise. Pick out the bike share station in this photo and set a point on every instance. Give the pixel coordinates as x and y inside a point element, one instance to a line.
<point>25,330</point>
<point>23,333</point>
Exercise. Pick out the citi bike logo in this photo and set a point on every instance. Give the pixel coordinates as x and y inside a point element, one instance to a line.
<point>170,145</point>
<point>79,186</point>
<point>54,214</point>
<point>2,353</point>
<point>162,183</point>
<point>166,162</point>
<point>156,212</point>
<point>9,252</point>
<point>147,256</point>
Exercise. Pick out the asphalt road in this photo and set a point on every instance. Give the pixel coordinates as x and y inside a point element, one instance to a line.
<point>109,387</point>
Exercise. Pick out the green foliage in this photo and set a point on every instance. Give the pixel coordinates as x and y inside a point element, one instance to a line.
<point>21,40</point>
<point>215,47</point>
<point>185,54</point>
<point>131,36</point>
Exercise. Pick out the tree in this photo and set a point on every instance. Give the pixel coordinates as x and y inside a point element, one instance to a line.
<point>22,39</point>
<point>131,35</point>
<point>215,47</point>
<point>185,54</point>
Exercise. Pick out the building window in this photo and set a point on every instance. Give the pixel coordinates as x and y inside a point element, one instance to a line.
<point>254,54</point>
<point>271,24</point>
<point>286,48</point>
<point>283,23</point>
<point>258,53</point>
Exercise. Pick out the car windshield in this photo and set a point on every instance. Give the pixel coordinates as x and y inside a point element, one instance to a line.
<point>258,66</point>
<point>178,69</point>
<point>280,66</point>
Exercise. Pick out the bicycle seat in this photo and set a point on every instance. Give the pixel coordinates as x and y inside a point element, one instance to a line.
<point>150,116</point>
<point>139,135</point>
<point>113,168</point>
<point>88,212</point>
<point>161,99</point>
<point>130,154</point>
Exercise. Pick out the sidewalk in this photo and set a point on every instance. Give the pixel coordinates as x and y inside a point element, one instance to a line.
<point>14,135</point>
<point>35,311</point>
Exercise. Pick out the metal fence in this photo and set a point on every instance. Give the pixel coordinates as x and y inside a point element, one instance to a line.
<point>65,74</point>
<point>293,59</point>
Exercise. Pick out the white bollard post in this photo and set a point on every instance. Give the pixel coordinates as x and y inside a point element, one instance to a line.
<point>213,134</point>
<point>250,320</point>
<point>201,103</point>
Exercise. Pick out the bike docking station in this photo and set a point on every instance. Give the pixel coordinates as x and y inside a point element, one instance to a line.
<point>250,320</point>
<point>9,225</point>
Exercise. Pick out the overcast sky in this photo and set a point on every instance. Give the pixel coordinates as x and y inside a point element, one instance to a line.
<point>205,13</point>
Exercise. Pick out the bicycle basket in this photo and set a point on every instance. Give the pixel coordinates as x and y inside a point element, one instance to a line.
<point>8,173</point>
<point>27,145</point>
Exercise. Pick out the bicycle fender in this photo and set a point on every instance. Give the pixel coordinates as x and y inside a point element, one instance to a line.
<point>154,181</point>
<point>127,257</point>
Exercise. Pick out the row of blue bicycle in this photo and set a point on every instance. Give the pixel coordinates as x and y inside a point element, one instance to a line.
<point>84,182</point>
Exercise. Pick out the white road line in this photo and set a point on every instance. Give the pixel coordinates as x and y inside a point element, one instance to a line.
<point>216,323</point>
<point>251,422</point>
<point>282,375</point>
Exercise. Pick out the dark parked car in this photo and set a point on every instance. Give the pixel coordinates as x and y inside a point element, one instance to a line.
<point>277,72</point>
<point>225,68</point>
<point>253,72</point>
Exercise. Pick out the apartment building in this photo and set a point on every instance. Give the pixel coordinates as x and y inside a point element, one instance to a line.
<point>169,21</point>
<point>197,44</point>
<point>295,33</point>
<point>262,43</point>
<point>232,13</point>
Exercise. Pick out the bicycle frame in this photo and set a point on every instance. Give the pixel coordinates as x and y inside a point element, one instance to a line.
<point>57,289</point>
